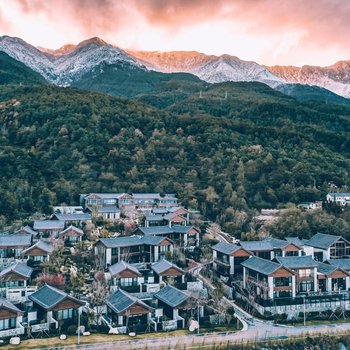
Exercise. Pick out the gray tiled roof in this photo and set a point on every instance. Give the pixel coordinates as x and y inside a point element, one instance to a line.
<point>115,242</point>
<point>111,209</point>
<point>154,217</point>
<point>257,245</point>
<point>48,297</point>
<point>71,227</point>
<point>322,241</point>
<point>120,301</point>
<point>146,195</point>
<point>48,225</point>
<point>42,245</point>
<point>105,195</point>
<point>171,296</point>
<point>4,303</point>
<point>19,268</point>
<point>155,230</point>
<point>15,240</point>
<point>183,229</point>
<point>340,194</point>
<point>297,262</point>
<point>27,229</point>
<point>326,269</point>
<point>263,266</point>
<point>73,217</point>
<point>296,240</point>
<point>163,265</point>
<point>342,263</point>
<point>226,248</point>
<point>115,269</point>
<point>160,211</point>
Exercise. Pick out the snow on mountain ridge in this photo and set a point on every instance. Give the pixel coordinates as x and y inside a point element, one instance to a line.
<point>68,67</point>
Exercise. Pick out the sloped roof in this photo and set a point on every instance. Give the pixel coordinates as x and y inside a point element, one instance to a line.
<point>226,248</point>
<point>15,240</point>
<point>341,263</point>
<point>73,217</point>
<point>155,230</point>
<point>4,303</point>
<point>19,268</point>
<point>48,224</point>
<point>171,216</point>
<point>115,269</point>
<point>171,296</point>
<point>264,266</point>
<point>322,241</point>
<point>48,297</point>
<point>120,301</point>
<point>111,209</point>
<point>264,245</point>
<point>297,262</point>
<point>154,217</point>
<point>340,194</point>
<point>164,265</point>
<point>326,269</point>
<point>296,240</point>
<point>27,229</point>
<point>71,227</point>
<point>146,195</point>
<point>115,242</point>
<point>42,245</point>
<point>105,195</point>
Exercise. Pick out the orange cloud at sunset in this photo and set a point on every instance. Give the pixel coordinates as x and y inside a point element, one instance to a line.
<point>267,31</point>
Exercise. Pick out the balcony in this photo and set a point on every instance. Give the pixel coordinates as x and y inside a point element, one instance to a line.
<point>12,332</point>
<point>222,262</point>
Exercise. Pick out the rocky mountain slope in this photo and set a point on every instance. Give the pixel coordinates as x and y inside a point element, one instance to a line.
<point>64,69</point>
<point>210,68</point>
<point>335,78</point>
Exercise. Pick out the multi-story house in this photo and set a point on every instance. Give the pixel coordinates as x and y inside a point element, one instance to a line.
<point>71,235</point>
<point>38,253</point>
<point>12,246</point>
<point>332,278</point>
<point>11,318</point>
<point>339,198</point>
<point>15,282</point>
<point>269,248</point>
<point>133,249</point>
<point>265,280</point>
<point>182,236</point>
<point>127,313</point>
<point>323,247</point>
<point>48,228</point>
<point>72,219</point>
<point>125,276</point>
<point>227,259</point>
<point>52,308</point>
<point>305,268</point>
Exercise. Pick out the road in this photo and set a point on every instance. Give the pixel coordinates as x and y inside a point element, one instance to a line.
<point>253,330</point>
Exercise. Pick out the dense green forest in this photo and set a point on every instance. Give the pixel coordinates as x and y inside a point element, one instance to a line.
<point>223,148</point>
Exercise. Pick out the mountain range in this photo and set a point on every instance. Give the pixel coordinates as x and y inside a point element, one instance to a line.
<point>96,65</point>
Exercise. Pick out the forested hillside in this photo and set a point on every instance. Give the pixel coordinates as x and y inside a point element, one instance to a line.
<point>231,147</point>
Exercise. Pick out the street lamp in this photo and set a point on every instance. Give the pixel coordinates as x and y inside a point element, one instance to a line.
<point>198,316</point>
<point>78,326</point>
<point>304,310</point>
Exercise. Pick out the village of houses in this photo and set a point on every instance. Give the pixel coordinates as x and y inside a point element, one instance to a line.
<point>143,281</point>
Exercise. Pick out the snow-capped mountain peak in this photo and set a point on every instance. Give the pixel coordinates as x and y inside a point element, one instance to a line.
<point>63,68</point>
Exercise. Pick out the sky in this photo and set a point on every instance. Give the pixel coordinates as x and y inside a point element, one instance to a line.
<point>271,32</point>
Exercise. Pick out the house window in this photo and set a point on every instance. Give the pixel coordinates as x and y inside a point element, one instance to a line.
<point>114,251</point>
<point>126,282</point>
<point>163,248</point>
<point>8,323</point>
<point>65,314</point>
<point>305,273</point>
<point>38,258</point>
